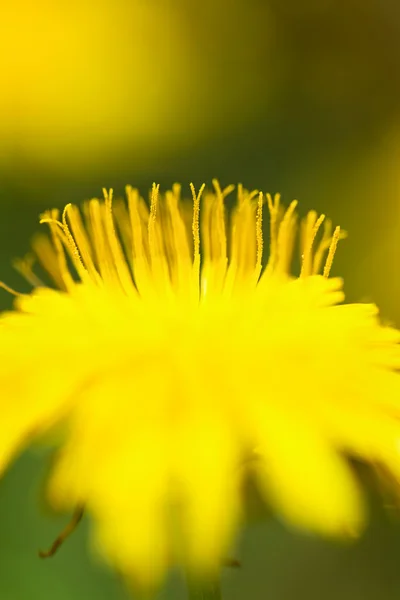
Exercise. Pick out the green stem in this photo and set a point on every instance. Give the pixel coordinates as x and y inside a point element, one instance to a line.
<point>205,591</point>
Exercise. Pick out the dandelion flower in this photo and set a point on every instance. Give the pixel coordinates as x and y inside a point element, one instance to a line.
<point>170,351</point>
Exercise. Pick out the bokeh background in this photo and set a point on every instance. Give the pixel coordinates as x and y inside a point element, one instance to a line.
<point>296,96</point>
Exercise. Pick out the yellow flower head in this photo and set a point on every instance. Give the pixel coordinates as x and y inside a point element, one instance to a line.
<point>171,353</point>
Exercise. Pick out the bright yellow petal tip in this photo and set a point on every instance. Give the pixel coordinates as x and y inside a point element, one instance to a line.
<point>169,349</point>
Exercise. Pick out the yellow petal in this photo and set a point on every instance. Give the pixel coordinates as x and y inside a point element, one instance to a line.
<point>304,478</point>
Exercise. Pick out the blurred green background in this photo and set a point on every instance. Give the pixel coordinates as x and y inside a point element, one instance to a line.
<point>296,96</point>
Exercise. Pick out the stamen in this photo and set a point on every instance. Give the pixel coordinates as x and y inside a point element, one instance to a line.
<point>139,239</point>
<point>65,238</point>
<point>286,236</point>
<point>24,268</point>
<point>123,229</point>
<point>218,235</point>
<point>50,221</point>
<point>225,192</point>
<point>152,220</point>
<point>10,290</point>
<point>309,242</point>
<point>322,246</point>
<point>79,233</point>
<point>119,261</point>
<point>157,255</point>
<point>175,240</point>
<point>59,242</point>
<point>196,225</point>
<point>66,532</point>
<point>273,207</point>
<point>243,242</point>
<point>95,216</point>
<point>259,233</point>
<point>75,255</point>
<point>331,252</point>
<point>176,190</point>
<point>136,222</point>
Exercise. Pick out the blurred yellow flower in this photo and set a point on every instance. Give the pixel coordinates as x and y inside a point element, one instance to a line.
<point>170,355</point>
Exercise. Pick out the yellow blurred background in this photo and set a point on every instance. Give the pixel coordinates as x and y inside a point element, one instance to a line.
<point>85,78</point>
